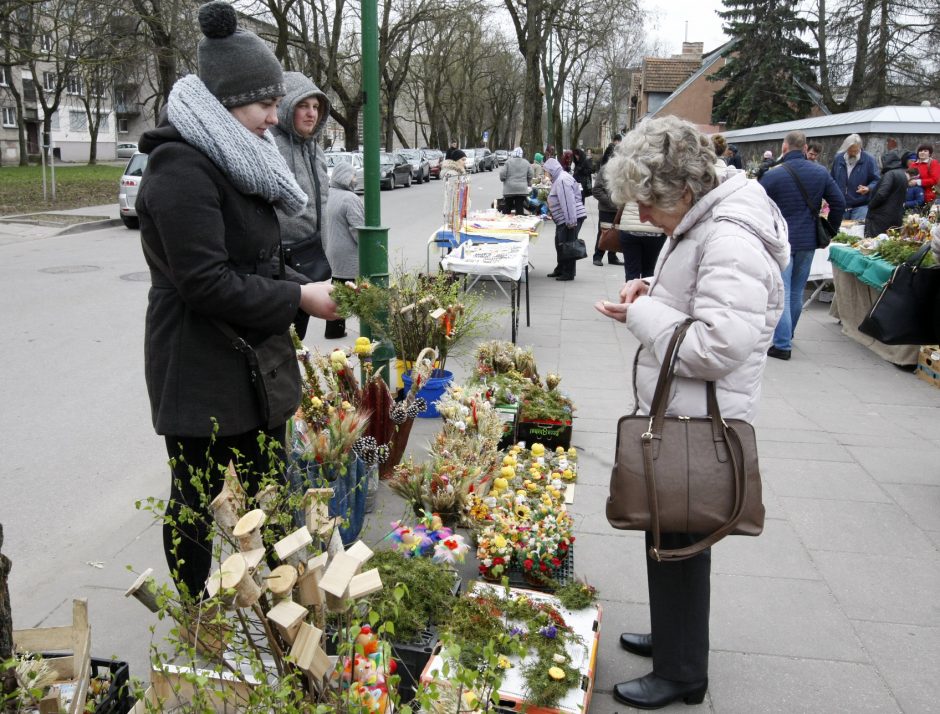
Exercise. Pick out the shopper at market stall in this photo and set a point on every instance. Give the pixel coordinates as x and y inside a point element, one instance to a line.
<point>886,207</point>
<point>582,168</point>
<point>568,212</point>
<point>454,166</point>
<point>538,168</point>
<point>606,210</point>
<point>344,214</point>
<point>856,174</point>
<point>301,115</point>
<point>721,267</point>
<point>211,241</point>
<point>786,184</point>
<point>914,198</point>
<point>928,169</point>
<point>516,175</point>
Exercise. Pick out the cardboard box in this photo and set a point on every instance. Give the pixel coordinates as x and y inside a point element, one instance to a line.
<point>928,365</point>
<point>586,623</point>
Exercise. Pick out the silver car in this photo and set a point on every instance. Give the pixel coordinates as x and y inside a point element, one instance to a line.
<point>470,163</point>
<point>127,191</point>
<point>348,157</point>
<point>125,150</point>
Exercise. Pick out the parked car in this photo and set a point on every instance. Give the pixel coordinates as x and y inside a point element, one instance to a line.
<point>470,164</point>
<point>434,158</point>
<point>348,157</point>
<point>127,189</point>
<point>394,170</point>
<point>420,167</point>
<point>502,156</point>
<point>485,160</point>
<point>126,150</point>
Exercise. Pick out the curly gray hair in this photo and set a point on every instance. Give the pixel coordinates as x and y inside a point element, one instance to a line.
<point>657,161</point>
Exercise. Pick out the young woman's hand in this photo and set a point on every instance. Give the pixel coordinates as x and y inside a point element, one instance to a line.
<point>315,300</point>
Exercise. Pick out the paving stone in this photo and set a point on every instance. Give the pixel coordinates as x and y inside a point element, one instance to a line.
<point>922,503</point>
<point>831,480</point>
<point>614,664</point>
<point>856,527</point>
<point>589,509</point>
<point>908,658</point>
<point>890,464</point>
<point>777,552</point>
<point>748,683</point>
<point>896,587</point>
<point>789,436</point>
<point>614,563</point>
<point>760,616</point>
<point>804,452</point>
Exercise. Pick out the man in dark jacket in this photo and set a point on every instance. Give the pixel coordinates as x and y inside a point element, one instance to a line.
<point>886,207</point>
<point>856,174</point>
<point>782,184</point>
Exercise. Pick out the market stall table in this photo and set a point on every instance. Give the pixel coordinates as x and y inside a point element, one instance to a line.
<point>486,227</point>
<point>509,261</point>
<point>859,280</point>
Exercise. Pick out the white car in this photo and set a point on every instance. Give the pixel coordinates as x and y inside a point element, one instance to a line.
<point>126,150</point>
<point>127,191</point>
<point>347,157</point>
<point>470,164</point>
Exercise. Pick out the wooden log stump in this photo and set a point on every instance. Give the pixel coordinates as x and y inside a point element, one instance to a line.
<point>281,582</point>
<point>144,590</point>
<point>234,577</point>
<point>248,530</point>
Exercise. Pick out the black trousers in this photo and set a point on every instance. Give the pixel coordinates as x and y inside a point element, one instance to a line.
<point>603,217</point>
<point>680,598</point>
<point>640,251</point>
<point>191,559</point>
<point>514,203</point>
<point>565,268</point>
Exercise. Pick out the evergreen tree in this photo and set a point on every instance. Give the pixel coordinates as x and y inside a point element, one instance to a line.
<point>765,65</point>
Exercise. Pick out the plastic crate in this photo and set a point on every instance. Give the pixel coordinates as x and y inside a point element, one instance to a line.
<point>118,698</point>
<point>412,657</point>
<point>562,576</point>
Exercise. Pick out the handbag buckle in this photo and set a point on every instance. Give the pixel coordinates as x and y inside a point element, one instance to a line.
<point>654,554</point>
<point>648,434</point>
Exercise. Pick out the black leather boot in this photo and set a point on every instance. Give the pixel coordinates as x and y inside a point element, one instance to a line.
<point>335,329</point>
<point>654,692</point>
<point>637,644</point>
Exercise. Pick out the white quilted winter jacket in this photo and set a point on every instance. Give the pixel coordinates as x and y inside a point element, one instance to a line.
<point>721,268</point>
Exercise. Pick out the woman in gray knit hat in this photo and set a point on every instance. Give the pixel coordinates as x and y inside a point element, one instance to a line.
<point>211,239</point>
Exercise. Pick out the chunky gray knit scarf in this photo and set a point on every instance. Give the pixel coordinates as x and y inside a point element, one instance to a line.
<point>253,164</point>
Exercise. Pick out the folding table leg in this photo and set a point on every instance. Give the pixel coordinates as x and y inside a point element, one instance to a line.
<point>528,323</point>
<point>514,314</point>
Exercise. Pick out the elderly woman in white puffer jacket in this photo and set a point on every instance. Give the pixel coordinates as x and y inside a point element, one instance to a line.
<point>721,267</point>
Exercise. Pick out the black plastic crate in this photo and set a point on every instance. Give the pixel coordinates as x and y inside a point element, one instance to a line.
<point>562,576</point>
<point>118,699</point>
<point>412,657</point>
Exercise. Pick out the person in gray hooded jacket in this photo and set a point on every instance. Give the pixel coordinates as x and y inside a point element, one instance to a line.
<point>344,211</point>
<point>301,115</point>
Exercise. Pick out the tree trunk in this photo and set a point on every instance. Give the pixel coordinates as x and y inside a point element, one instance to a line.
<point>532,100</point>
<point>880,68</point>
<point>860,69</point>
<point>7,678</point>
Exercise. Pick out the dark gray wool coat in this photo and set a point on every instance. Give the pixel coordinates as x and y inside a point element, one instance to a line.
<point>222,249</point>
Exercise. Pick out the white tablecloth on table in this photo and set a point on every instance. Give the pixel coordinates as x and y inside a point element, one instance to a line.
<point>504,260</point>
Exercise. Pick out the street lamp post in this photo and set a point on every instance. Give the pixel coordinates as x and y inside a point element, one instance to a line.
<point>373,237</point>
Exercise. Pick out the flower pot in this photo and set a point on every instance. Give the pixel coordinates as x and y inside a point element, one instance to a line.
<point>432,391</point>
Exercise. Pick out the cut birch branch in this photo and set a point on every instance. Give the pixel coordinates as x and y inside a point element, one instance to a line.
<point>248,530</point>
<point>144,590</point>
<point>281,582</point>
<point>234,575</point>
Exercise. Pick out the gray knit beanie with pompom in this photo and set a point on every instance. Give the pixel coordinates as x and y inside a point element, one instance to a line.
<point>235,65</point>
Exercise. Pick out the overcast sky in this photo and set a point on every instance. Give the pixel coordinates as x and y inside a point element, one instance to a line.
<point>670,16</point>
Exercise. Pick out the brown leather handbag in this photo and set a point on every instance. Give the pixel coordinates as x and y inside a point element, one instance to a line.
<point>610,237</point>
<point>685,474</point>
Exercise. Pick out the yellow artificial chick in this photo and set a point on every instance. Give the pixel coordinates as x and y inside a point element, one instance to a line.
<point>573,452</point>
<point>538,450</point>
<point>338,359</point>
<point>499,485</point>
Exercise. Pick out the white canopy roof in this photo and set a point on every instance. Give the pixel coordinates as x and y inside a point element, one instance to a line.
<point>880,120</point>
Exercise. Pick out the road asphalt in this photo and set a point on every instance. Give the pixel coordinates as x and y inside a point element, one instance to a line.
<point>834,608</point>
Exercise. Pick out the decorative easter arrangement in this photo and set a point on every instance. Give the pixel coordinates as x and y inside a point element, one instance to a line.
<point>898,244</point>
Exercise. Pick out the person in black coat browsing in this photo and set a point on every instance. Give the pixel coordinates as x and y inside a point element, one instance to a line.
<point>886,206</point>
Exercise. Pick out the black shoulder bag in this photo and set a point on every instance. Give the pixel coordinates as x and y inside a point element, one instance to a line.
<point>824,230</point>
<point>272,363</point>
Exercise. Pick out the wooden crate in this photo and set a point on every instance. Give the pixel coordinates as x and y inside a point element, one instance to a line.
<point>586,623</point>
<point>169,690</point>
<point>74,639</point>
<point>928,364</point>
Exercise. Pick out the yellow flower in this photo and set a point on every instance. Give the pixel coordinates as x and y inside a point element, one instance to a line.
<point>363,346</point>
<point>316,402</point>
<point>499,541</point>
<point>503,662</point>
<point>338,358</point>
<point>556,673</point>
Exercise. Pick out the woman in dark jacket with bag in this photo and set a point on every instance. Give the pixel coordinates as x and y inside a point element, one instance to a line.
<point>606,210</point>
<point>211,240</point>
<point>721,268</point>
<point>886,205</point>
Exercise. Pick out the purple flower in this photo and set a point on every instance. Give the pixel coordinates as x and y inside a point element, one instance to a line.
<point>549,632</point>
<point>516,632</point>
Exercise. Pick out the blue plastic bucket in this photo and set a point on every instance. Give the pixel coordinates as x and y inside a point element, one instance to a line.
<point>432,391</point>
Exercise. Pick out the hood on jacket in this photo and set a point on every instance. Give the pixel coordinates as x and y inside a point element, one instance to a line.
<point>553,167</point>
<point>891,160</point>
<point>344,177</point>
<point>744,202</point>
<point>298,87</point>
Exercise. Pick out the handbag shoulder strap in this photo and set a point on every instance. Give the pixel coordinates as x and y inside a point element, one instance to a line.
<point>802,188</point>
<point>237,341</point>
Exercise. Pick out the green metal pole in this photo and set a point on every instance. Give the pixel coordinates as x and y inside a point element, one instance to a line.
<point>373,237</point>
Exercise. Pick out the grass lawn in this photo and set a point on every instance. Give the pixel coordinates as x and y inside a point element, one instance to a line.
<point>76,186</point>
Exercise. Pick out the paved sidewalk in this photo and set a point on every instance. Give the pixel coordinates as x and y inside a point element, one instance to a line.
<point>31,226</point>
<point>835,608</point>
